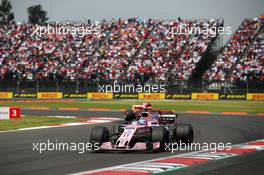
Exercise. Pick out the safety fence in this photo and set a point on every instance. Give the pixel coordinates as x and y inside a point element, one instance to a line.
<point>170,86</point>
<point>170,89</point>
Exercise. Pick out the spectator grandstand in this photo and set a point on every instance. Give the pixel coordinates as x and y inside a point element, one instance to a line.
<point>129,50</point>
<point>123,50</point>
<point>242,58</point>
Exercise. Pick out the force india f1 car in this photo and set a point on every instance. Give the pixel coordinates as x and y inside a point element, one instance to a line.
<point>143,129</point>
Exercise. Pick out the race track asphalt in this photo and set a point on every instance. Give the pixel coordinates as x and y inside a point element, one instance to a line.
<point>17,155</point>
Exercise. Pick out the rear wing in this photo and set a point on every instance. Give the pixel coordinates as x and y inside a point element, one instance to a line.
<point>140,107</point>
<point>168,117</point>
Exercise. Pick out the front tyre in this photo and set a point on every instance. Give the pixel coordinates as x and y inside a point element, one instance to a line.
<point>183,133</point>
<point>160,134</point>
<point>99,134</point>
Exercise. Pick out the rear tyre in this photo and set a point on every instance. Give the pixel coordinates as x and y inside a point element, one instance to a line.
<point>129,116</point>
<point>160,134</point>
<point>183,133</point>
<point>99,134</point>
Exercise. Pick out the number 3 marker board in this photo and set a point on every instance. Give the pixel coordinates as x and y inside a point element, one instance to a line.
<point>9,113</point>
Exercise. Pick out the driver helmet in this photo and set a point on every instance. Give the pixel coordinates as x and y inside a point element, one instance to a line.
<point>142,121</point>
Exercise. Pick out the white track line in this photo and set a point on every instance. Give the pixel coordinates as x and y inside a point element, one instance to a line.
<point>89,121</point>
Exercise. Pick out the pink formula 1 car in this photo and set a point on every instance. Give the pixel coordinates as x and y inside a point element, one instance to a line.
<point>143,129</point>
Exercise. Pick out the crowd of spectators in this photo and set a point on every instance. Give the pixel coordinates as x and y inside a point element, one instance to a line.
<point>122,50</point>
<point>251,66</point>
<point>28,55</point>
<point>172,55</point>
<point>242,58</point>
<point>195,47</point>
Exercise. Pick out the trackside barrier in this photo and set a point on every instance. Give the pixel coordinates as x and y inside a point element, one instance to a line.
<point>151,96</point>
<point>6,95</point>
<point>74,95</point>
<point>25,95</point>
<point>205,96</point>
<point>144,96</point>
<point>10,113</point>
<point>100,95</point>
<point>178,96</point>
<point>49,95</point>
<point>125,96</point>
<point>255,96</point>
<point>232,96</point>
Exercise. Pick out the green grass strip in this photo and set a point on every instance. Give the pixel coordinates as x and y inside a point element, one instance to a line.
<point>33,121</point>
